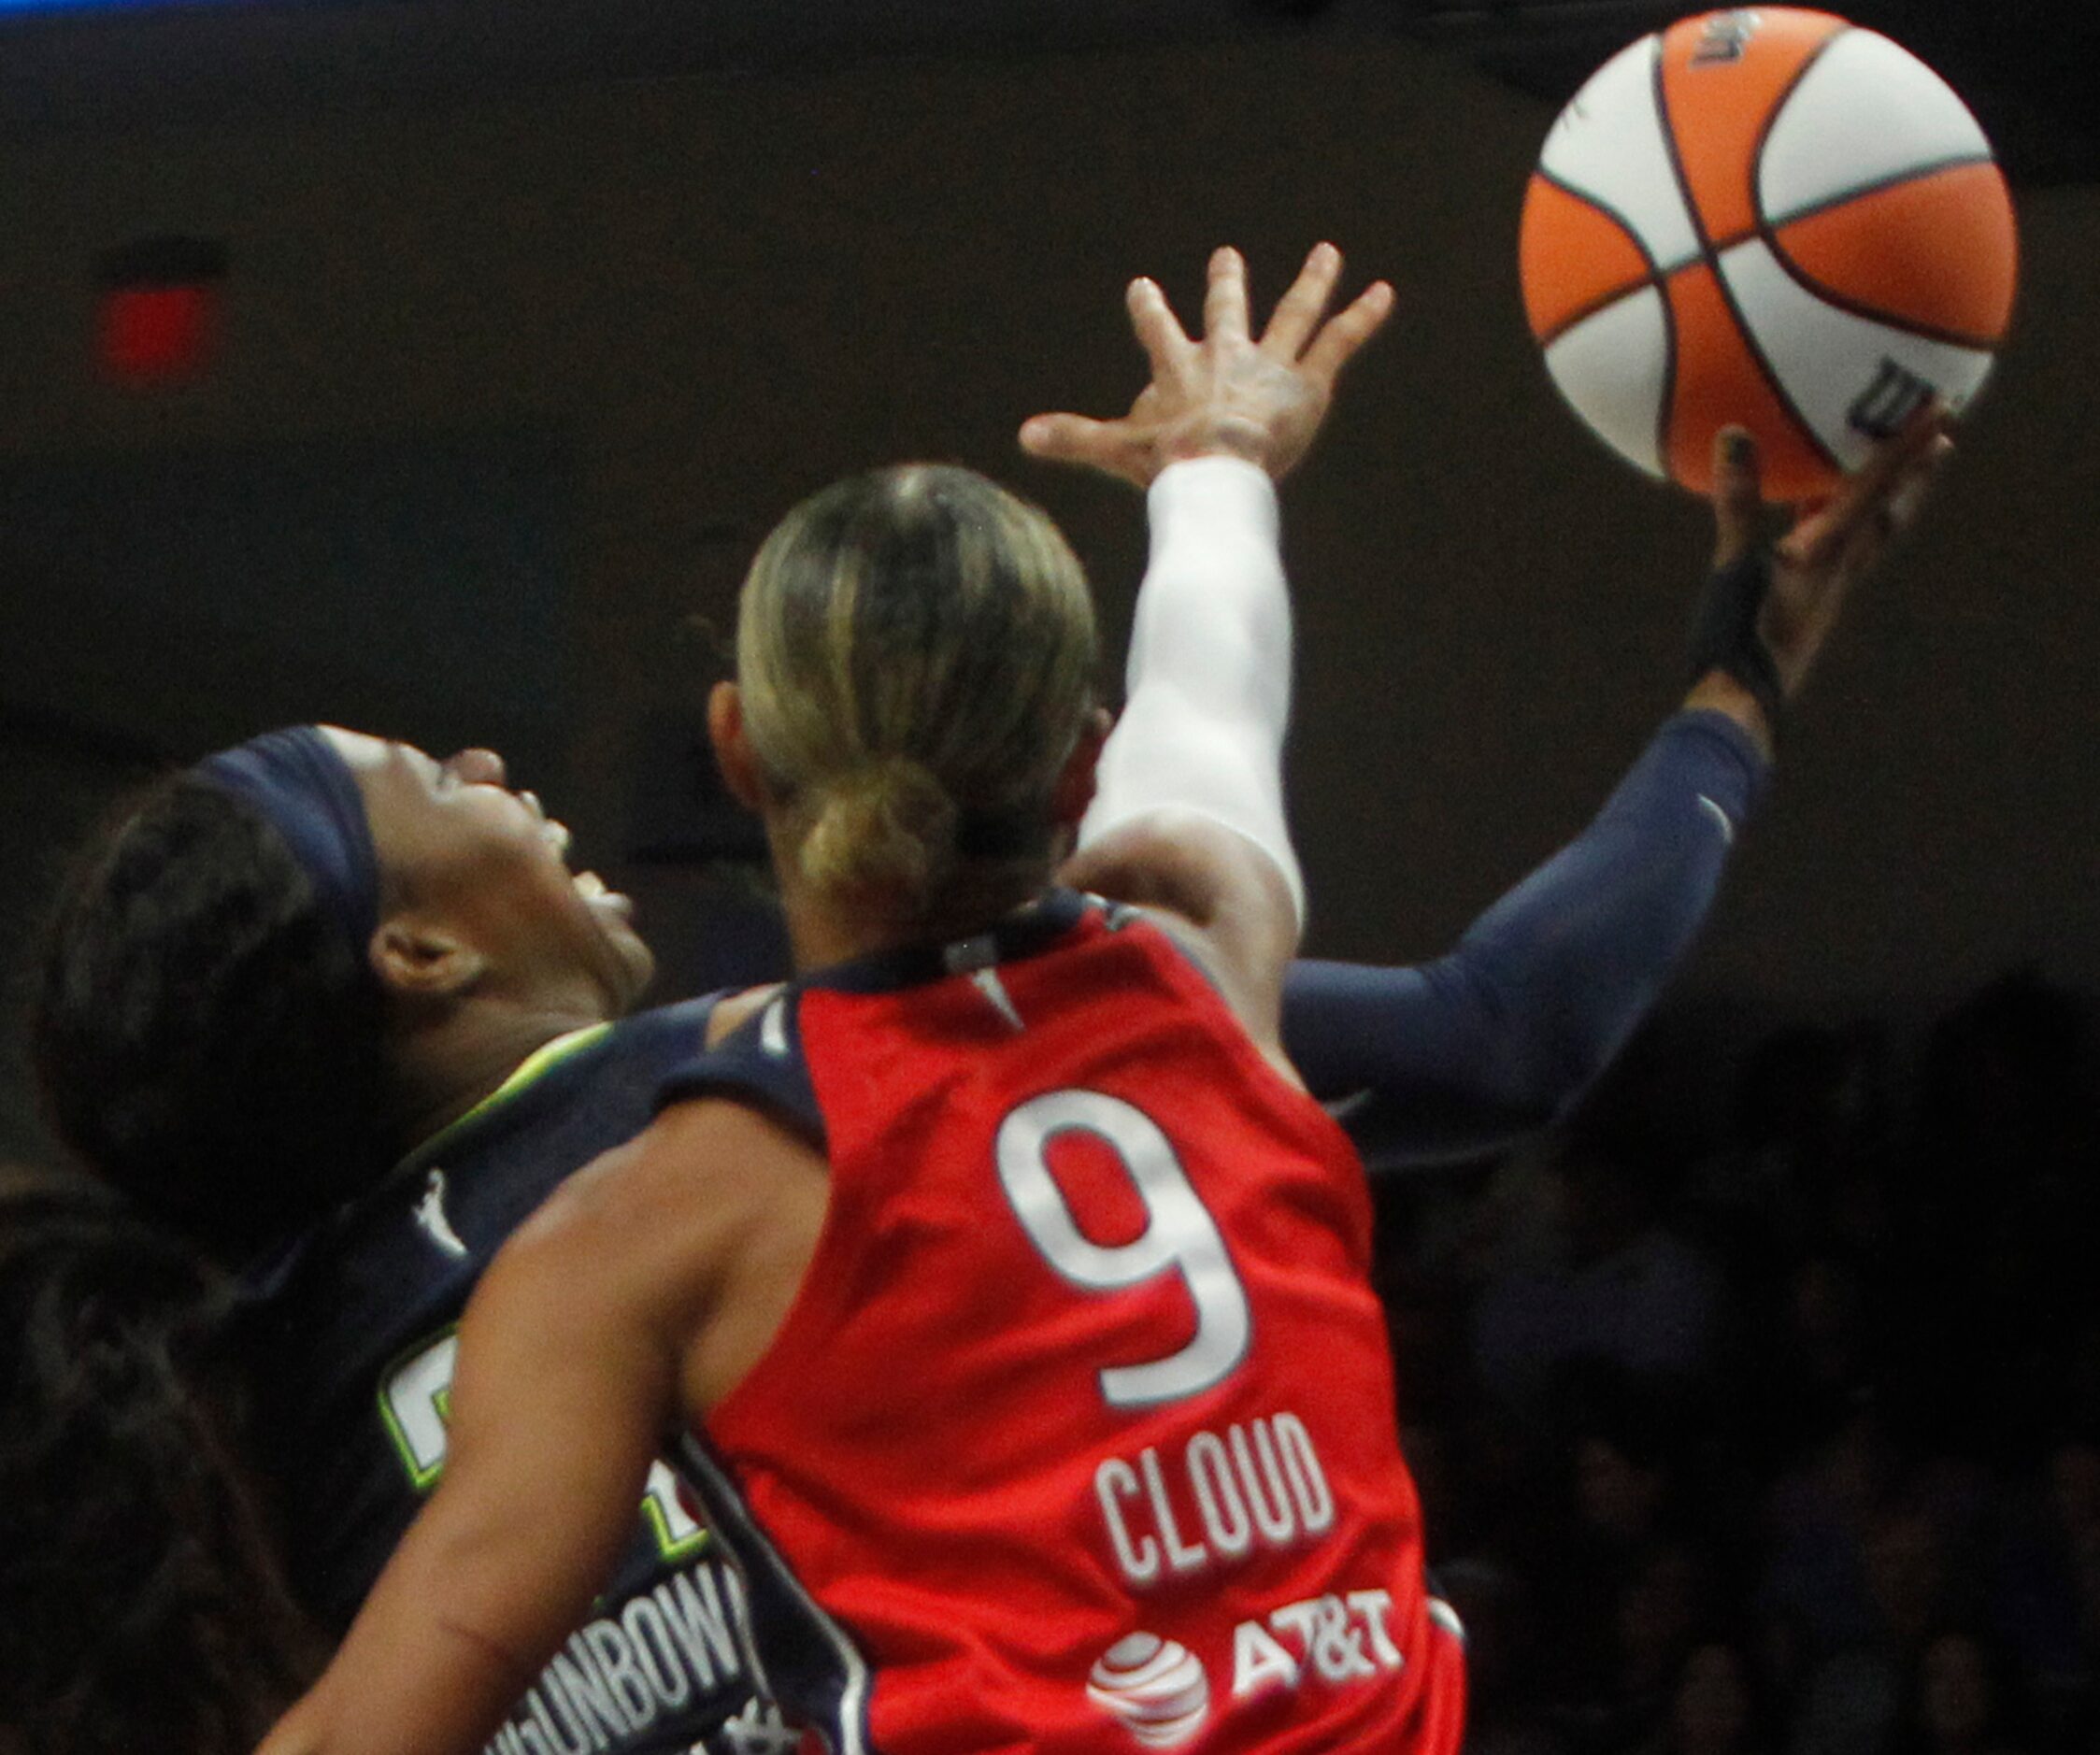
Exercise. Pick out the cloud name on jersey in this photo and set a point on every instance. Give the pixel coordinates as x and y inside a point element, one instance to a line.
<point>1214,1498</point>
<point>658,1653</point>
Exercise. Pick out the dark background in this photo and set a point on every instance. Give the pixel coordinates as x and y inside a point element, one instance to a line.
<point>1748,1411</point>
<point>537,315</point>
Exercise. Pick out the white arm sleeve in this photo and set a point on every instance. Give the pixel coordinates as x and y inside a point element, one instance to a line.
<point>1208,682</point>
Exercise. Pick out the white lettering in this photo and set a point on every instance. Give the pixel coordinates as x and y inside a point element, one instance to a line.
<point>618,1676</point>
<point>573,1735</point>
<point>1257,1482</point>
<point>536,1736</point>
<point>1330,1644</point>
<point>1272,1514</point>
<point>1308,1480</point>
<point>623,1676</point>
<point>760,1729</point>
<point>1259,1662</point>
<point>1182,1556</point>
<point>1179,1236</point>
<point>1224,1515</point>
<point>588,1696</point>
<point>1330,1632</point>
<point>1374,1606</point>
<point>678,1532</point>
<point>1139,1561</point>
<point>1297,1619</point>
<point>1337,1648</point>
<point>643,1623</point>
<point>693,1609</point>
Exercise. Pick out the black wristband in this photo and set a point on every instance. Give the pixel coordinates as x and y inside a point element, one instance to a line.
<point>1724,635</point>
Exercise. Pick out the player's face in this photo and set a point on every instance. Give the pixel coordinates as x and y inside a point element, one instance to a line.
<point>459,846</point>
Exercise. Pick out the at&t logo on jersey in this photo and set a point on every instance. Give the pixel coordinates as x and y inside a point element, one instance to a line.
<point>1155,1688</point>
<point>1160,1692</point>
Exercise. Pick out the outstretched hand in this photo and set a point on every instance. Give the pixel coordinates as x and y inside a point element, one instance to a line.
<point>1833,543</point>
<point>1228,394</point>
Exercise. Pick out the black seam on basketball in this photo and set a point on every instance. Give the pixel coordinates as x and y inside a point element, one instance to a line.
<point>1712,258</point>
<point>1767,229</point>
<point>1655,275</point>
<point>1778,108</point>
<point>1609,212</point>
<point>1763,227</point>
<point>1896,180</point>
<point>1669,147</point>
<point>1665,412</point>
<point>1888,320</point>
<point>1770,231</point>
<point>1653,283</point>
<point>1764,364</point>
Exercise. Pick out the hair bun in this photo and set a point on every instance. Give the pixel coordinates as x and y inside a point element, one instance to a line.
<point>885,826</point>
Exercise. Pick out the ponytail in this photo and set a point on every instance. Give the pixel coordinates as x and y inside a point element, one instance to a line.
<point>887,826</point>
<point>915,655</point>
<point>141,1603</point>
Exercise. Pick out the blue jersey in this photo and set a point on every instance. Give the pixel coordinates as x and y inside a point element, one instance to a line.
<point>354,1328</point>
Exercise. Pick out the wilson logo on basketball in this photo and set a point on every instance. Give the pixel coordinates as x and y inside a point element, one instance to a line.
<point>1887,403</point>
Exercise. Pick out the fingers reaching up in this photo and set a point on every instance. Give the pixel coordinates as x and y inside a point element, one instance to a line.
<point>1831,545</point>
<point>1322,350</point>
<point>1851,530</point>
<point>1738,498</point>
<point>1224,300</point>
<point>1159,331</point>
<point>1225,393</point>
<point>1298,312</point>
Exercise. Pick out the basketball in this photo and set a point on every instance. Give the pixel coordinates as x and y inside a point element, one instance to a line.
<point>1769,218</point>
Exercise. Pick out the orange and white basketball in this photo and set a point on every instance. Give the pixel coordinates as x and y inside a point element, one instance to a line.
<point>1770,218</point>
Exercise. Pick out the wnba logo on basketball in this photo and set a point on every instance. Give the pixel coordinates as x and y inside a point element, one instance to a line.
<point>1725,37</point>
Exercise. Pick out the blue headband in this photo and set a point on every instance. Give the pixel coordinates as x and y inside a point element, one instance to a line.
<point>299,780</point>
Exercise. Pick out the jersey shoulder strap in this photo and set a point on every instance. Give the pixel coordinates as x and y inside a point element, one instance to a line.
<point>760,1062</point>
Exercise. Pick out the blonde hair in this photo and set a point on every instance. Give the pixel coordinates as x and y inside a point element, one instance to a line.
<point>915,652</point>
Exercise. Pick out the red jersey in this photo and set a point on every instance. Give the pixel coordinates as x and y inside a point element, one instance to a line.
<point>1079,1433</point>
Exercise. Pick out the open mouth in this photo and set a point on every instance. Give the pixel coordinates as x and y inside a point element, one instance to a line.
<point>593,889</point>
<point>588,885</point>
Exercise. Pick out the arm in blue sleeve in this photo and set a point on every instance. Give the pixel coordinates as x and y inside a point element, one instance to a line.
<point>1460,1057</point>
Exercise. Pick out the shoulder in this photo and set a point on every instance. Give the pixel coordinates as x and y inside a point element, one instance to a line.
<point>665,1213</point>
<point>1216,893</point>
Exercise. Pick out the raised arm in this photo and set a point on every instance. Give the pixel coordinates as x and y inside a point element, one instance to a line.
<point>1189,816</point>
<point>1462,1056</point>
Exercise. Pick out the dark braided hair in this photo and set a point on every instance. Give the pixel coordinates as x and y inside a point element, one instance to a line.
<point>204,1036</point>
<point>141,1606</point>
